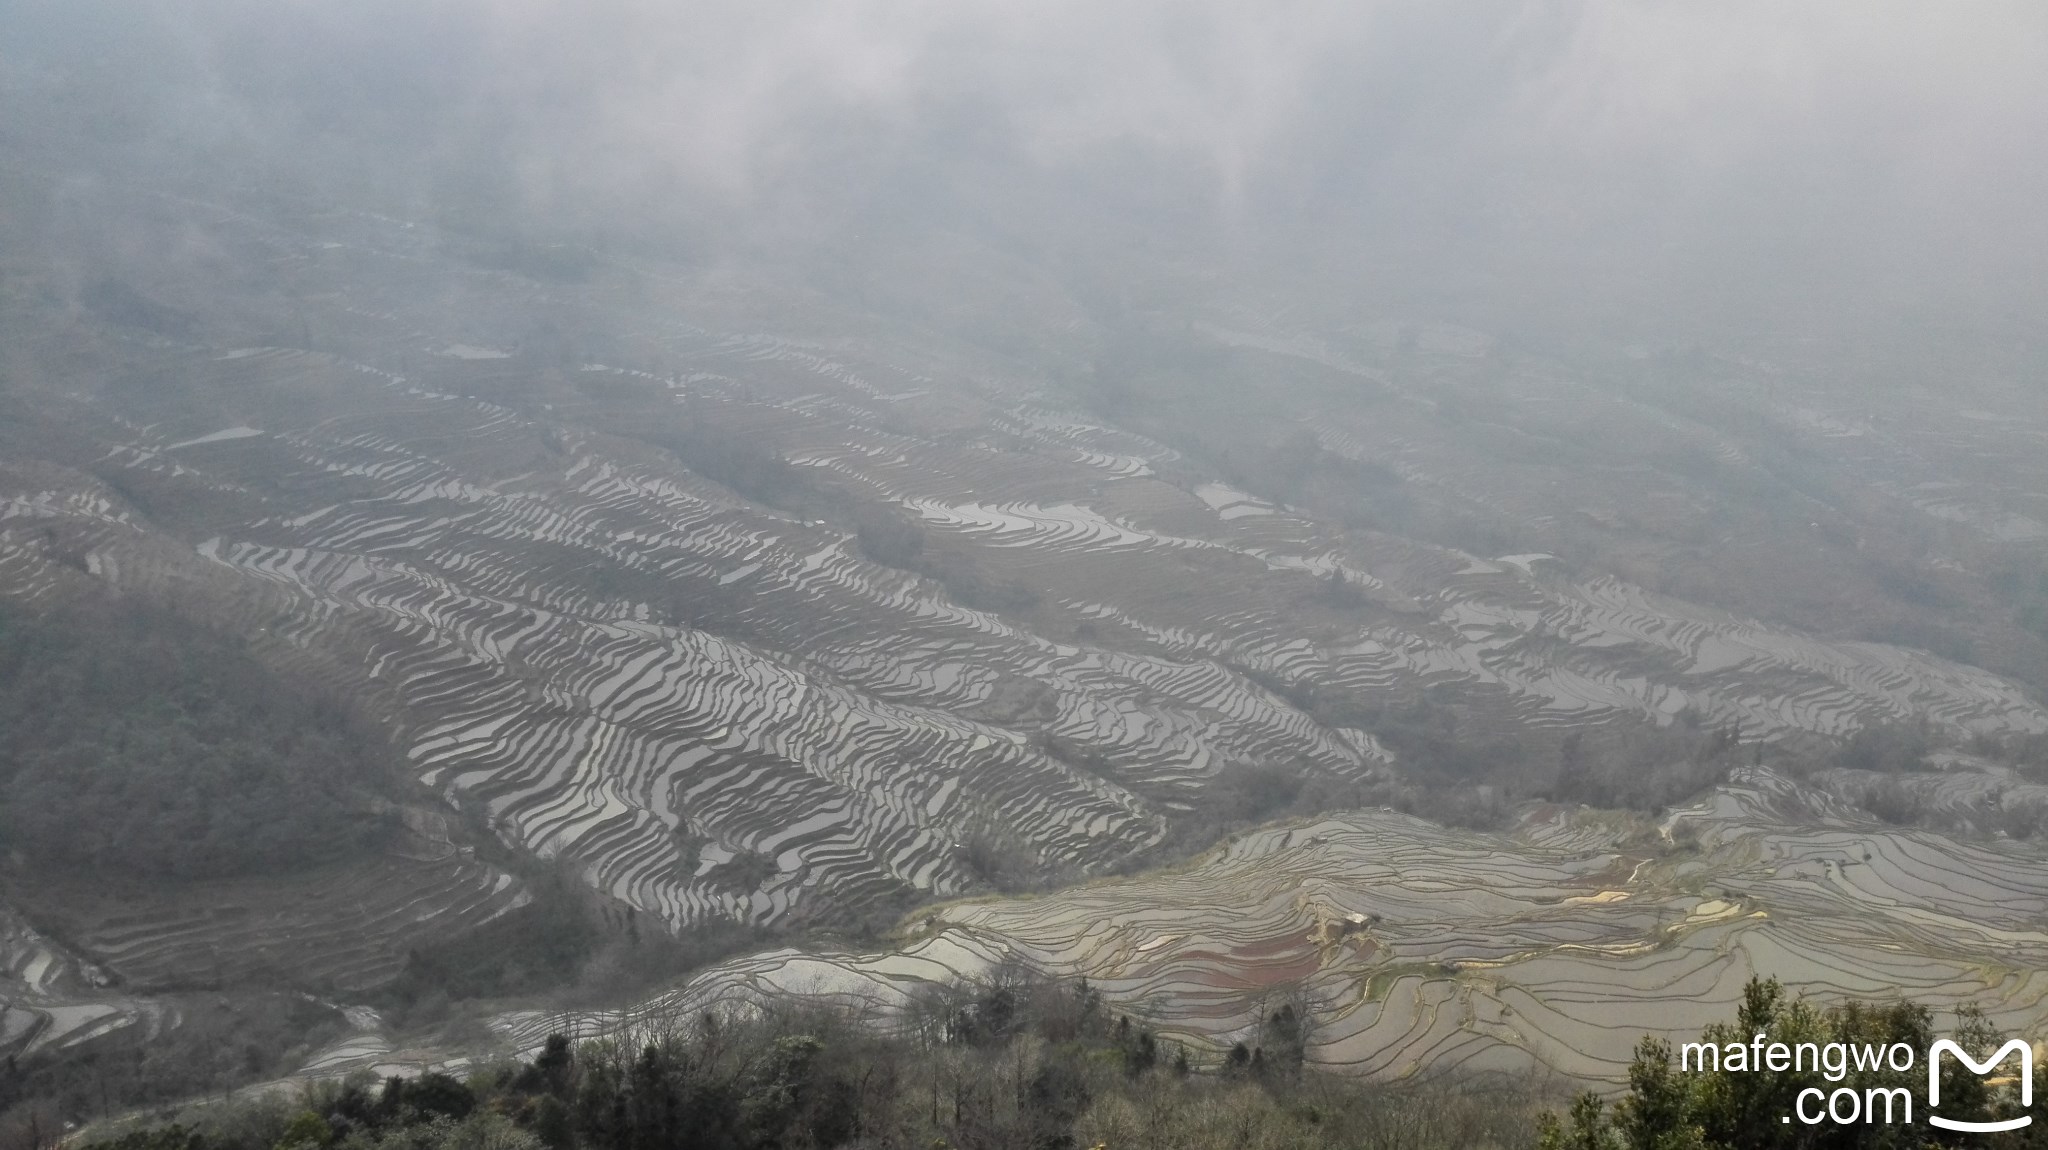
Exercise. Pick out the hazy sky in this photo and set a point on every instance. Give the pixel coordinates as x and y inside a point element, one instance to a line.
<point>1848,150</point>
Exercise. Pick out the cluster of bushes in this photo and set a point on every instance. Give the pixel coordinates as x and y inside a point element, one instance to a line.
<point>2025,753</point>
<point>969,586</point>
<point>1009,1061</point>
<point>891,540</point>
<point>999,858</point>
<point>894,540</point>
<point>744,463</point>
<point>1433,745</point>
<point>138,742</point>
<point>1338,591</point>
<point>1891,753</point>
<point>1461,773</point>
<point>1679,1101</point>
<point>1895,800</point>
<point>568,941</point>
<point>1646,768</point>
<point>1888,747</point>
<point>538,947</point>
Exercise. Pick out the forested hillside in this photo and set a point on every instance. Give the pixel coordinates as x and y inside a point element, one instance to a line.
<point>132,741</point>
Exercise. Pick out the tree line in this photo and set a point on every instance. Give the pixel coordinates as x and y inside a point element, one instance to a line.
<point>1781,1100</point>
<point>1014,1060</point>
<point>1010,1060</point>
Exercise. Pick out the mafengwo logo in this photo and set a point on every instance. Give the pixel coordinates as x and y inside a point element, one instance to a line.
<point>1980,1069</point>
<point>1846,1105</point>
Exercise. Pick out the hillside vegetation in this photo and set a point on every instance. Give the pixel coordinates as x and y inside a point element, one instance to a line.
<point>1017,1061</point>
<point>1671,1107</point>
<point>1008,1061</point>
<point>134,742</point>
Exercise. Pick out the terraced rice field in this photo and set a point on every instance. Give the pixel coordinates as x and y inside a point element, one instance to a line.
<point>631,666</point>
<point>515,551</point>
<point>1429,951</point>
<point>347,928</point>
<point>344,928</point>
<point>46,993</point>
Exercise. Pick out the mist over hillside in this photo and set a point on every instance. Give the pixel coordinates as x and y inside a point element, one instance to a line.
<point>525,517</point>
<point>1668,173</point>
